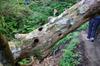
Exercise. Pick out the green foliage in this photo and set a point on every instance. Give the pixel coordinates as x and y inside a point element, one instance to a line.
<point>12,17</point>
<point>69,54</point>
<point>84,27</point>
<point>15,17</point>
<point>25,61</point>
<point>70,57</point>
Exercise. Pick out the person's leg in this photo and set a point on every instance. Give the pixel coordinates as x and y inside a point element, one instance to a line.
<point>90,28</point>
<point>98,30</point>
<point>94,29</point>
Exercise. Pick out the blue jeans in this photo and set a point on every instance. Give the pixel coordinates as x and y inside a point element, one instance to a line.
<point>93,25</point>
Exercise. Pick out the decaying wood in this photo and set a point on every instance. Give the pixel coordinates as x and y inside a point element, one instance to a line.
<point>44,38</point>
<point>6,57</point>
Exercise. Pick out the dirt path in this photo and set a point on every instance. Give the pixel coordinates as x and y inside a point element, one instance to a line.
<point>91,50</point>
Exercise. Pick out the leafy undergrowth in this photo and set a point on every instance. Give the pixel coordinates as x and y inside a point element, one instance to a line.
<point>70,56</point>
<point>16,17</point>
<point>24,61</point>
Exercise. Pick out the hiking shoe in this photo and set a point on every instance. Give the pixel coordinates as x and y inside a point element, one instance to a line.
<point>92,39</point>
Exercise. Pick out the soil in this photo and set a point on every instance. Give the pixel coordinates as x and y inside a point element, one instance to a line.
<point>90,50</point>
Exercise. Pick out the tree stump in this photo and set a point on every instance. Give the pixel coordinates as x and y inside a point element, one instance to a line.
<point>6,57</point>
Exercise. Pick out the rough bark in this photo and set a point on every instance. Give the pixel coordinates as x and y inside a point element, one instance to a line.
<point>44,38</point>
<point>6,57</point>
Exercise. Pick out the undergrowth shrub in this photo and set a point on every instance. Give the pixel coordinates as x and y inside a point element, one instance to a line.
<point>70,56</point>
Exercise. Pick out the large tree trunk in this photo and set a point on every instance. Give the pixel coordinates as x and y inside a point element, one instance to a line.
<point>41,40</point>
<point>6,57</point>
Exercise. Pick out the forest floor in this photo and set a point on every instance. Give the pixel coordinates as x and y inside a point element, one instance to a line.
<point>90,53</point>
<point>91,50</point>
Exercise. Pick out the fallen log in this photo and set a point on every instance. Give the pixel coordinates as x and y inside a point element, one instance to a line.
<point>42,39</point>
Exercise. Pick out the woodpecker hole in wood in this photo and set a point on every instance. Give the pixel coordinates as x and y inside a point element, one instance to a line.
<point>36,40</point>
<point>40,29</point>
<point>59,34</point>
